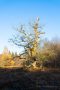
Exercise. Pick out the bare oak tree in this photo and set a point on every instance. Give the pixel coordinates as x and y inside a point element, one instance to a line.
<point>29,41</point>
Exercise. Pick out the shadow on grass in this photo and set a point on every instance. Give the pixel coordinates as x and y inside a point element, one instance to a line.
<point>20,79</point>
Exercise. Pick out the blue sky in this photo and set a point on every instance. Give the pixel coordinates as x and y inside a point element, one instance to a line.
<point>15,12</point>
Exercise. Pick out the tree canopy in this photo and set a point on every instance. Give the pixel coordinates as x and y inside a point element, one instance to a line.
<point>29,41</point>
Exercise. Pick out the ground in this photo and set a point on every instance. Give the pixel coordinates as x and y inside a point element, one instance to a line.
<point>20,79</point>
